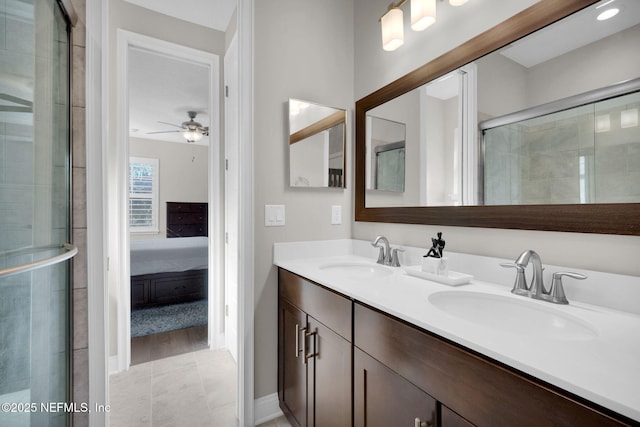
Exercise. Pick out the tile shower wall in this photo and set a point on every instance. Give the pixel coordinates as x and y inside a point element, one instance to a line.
<point>617,150</point>
<point>80,331</point>
<point>583,155</point>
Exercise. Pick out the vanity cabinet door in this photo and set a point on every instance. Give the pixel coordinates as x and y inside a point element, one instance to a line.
<point>448,418</point>
<point>330,376</point>
<point>383,398</point>
<point>314,353</point>
<point>292,372</point>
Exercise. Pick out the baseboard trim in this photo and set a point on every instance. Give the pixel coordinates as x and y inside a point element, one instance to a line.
<point>266,408</point>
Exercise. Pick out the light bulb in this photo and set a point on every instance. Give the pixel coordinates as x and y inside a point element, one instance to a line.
<point>423,14</point>
<point>392,29</point>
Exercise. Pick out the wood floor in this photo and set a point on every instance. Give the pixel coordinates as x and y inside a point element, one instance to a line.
<point>167,344</point>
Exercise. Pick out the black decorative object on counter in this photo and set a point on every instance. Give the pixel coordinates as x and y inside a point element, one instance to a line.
<point>437,247</point>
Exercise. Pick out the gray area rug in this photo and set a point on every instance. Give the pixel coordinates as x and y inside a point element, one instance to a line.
<point>154,320</point>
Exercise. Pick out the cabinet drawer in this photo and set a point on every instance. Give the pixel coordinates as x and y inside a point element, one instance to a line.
<point>334,310</point>
<point>485,392</point>
<point>139,293</point>
<point>166,291</point>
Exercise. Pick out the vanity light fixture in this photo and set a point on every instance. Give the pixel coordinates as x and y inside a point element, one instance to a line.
<point>392,28</point>
<point>423,15</point>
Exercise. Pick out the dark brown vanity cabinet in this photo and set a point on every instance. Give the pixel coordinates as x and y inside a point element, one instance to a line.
<point>470,389</point>
<point>342,363</point>
<point>314,353</point>
<point>383,398</point>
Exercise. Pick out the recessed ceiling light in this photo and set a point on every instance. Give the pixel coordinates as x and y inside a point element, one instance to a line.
<point>609,13</point>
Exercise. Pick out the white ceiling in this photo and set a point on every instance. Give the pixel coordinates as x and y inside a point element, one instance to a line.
<point>210,13</point>
<point>576,31</point>
<point>163,89</point>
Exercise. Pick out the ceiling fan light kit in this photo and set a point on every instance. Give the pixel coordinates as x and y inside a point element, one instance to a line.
<point>191,130</point>
<point>192,135</point>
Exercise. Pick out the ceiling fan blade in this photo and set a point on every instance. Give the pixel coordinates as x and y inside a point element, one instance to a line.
<point>171,124</point>
<point>164,131</point>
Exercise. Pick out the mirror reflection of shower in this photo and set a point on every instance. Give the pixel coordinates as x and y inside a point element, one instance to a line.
<point>585,154</point>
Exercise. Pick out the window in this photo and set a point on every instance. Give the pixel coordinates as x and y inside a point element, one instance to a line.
<point>143,195</point>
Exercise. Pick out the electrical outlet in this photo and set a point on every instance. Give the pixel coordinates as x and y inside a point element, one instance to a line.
<point>336,214</point>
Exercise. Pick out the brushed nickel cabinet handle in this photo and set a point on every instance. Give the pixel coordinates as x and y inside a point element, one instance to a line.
<point>308,356</point>
<point>298,349</point>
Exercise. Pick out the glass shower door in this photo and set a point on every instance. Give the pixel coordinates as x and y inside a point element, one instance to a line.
<point>35,274</point>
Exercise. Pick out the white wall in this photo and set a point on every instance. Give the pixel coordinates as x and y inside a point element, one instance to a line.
<point>183,175</point>
<point>303,50</point>
<point>307,158</point>
<point>143,21</point>
<point>375,68</point>
<point>401,110</point>
<point>611,60</point>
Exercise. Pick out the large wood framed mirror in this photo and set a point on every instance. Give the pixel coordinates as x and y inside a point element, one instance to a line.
<point>595,103</point>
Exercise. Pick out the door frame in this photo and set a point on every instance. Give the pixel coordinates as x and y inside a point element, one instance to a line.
<point>127,40</point>
<point>96,81</point>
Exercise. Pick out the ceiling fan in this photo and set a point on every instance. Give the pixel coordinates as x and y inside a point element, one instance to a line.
<point>191,130</point>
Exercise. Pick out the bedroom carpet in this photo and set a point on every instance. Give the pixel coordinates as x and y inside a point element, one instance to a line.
<point>154,320</point>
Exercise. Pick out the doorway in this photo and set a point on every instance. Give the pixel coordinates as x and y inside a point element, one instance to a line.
<point>194,156</point>
<point>168,204</point>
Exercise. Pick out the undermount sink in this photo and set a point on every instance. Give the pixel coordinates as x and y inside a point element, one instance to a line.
<point>513,314</point>
<point>358,269</point>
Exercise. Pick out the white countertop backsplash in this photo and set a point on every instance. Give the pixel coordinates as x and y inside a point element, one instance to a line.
<point>615,291</point>
<point>605,370</point>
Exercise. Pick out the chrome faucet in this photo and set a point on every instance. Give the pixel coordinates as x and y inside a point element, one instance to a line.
<point>384,256</point>
<point>536,289</point>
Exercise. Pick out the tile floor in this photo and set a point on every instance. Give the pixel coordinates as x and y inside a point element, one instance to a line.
<point>192,389</point>
<point>278,422</point>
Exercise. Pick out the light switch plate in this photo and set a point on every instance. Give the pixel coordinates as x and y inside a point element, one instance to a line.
<point>336,214</point>
<point>274,215</point>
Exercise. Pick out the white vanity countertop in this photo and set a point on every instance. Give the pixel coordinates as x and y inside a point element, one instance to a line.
<point>604,370</point>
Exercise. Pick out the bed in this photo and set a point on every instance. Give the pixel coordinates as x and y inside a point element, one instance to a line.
<point>173,269</point>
